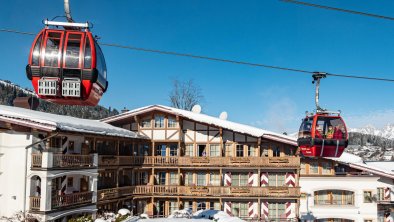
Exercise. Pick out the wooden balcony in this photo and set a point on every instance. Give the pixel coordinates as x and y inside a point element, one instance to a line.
<point>35,203</point>
<point>215,191</point>
<point>185,161</point>
<point>61,160</point>
<point>71,199</point>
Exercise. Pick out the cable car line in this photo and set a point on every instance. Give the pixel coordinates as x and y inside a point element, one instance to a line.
<point>134,48</point>
<point>338,9</point>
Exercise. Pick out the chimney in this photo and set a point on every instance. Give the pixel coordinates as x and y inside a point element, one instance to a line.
<point>26,102</point>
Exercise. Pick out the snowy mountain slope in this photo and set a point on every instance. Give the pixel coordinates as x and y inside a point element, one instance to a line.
<point>386,132</point>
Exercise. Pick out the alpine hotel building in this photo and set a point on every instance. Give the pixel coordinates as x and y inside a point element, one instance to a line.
<point>192,160</point>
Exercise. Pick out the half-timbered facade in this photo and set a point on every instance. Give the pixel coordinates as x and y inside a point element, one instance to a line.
<point>195,161</point>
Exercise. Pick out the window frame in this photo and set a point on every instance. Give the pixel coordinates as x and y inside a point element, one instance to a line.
<point>159,121</point>
<point>239,149</point>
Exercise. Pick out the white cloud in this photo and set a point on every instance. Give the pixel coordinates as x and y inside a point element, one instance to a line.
<point>280,116</point>
<point>378,118</point>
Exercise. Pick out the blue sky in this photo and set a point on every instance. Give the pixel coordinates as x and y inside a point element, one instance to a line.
<point>268,32</point>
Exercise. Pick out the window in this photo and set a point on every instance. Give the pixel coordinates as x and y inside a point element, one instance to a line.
<point>240,150</point>
<point>367,196</point>
<point>72,50</point>
<point>161,150</point>
<point>188,179</point>
<point>173,178</point>
<point>380,194</point>
<point>189,150</point>
<point>239,179</point>
<point>188,205</point>
<point>146,123</point>
<point>334,197</point>
<point>303,170</point>
<point>172,123</point>
<point>144,150</point>
<point>142,178</point>
<point>228,149</point>
<point>159,121</point>
<point>289,151</point>
<point>214,205</point>
<point>251,150</point>
<point>264,149</point>
<point>162,178</point>
<point>88,55</point>
<point>201,206</point>
<point>36,52</point>
<point>214,150</point>
<point>313,168</point>
<point>52,49</point>
<point>201,179</point>
<point>305,128</point>
<point>173,206</point>
<point>276,210</point>
<point>214,179</point>
<point>173,150</point>
<point>326,167</point>
<point>276,151</point>
<point>276,180</point>
<point>243,210</point>
<point>201,150</point>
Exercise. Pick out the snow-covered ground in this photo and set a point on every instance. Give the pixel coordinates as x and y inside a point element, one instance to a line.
<point>185,215</point>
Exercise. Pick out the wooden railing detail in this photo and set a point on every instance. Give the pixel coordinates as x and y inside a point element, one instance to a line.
<point>35,203</point>
<point>71,199</point>
<point>72,160</point>
<point>63,160</point>
<point>289,162</point>
<point>36,160</point>
<point>219,191</point>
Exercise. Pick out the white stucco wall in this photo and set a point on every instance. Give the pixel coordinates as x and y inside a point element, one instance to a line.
<point>12,168</point>
<point>359,212</point>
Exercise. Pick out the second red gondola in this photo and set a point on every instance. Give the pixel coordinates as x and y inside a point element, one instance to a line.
<point>323,135</point>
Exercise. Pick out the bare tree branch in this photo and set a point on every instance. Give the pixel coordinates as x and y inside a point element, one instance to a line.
<point>185,94</point>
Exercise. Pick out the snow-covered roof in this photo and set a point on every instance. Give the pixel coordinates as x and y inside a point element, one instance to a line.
<point>203,118</point>
<point>52,122</point>
<point>383,168</point>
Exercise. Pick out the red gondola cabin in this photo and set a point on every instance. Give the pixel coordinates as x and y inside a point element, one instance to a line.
<point>67,67</point>
<point>322,135</point>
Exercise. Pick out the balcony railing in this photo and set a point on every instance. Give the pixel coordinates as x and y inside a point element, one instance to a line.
<point>35,203</point>
<point>71,199</point>
<point>61,160</point>
<point>289,162</point>
<point>217,191</point>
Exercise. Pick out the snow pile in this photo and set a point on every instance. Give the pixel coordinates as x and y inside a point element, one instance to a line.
<point>217,215</point>
<point>181,214</point>
<point>348,158</point>
<point>63,123</point>
<point>203,118</point>
<point>199,216</point>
